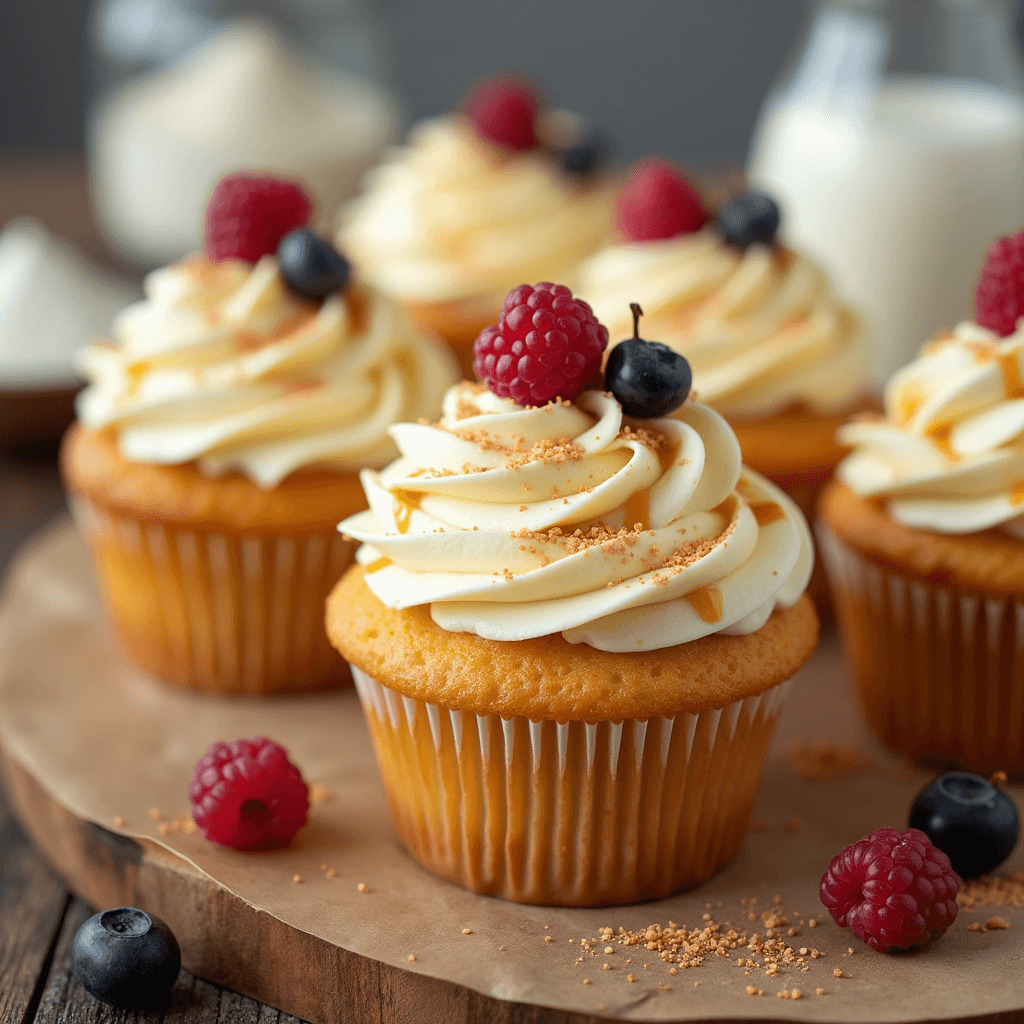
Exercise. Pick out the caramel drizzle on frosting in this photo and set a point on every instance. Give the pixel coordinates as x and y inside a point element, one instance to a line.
<point>706,602</point>
<point>1017,493</point>
<point>1010,366</point>
<point>637,511</point>
<point>940,437</point>
<point>766,512</point>
<point>377,564</point>
<point>404,504</point>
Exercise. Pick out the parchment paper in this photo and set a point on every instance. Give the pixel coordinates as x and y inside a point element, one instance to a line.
<point>110,743</point>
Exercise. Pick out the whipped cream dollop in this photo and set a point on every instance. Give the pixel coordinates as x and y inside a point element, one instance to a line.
<point>627,535</point>
<point>450,216</point>
<point>222,364</point>
<point>761,328</point>
<point>949,453</point>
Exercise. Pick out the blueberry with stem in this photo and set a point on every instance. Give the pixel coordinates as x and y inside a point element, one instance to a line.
<point>649,379</point>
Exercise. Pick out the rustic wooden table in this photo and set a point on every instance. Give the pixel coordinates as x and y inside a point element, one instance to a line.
<point>38,914</point>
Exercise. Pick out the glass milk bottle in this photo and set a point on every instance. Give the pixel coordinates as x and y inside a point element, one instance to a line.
<point>895,144</point>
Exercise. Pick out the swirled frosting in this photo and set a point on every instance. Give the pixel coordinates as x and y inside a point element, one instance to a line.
<point>451,217</point>
<point>949,453</point>
<point>625,535</point>
<point>761,328</point>
<point>222,364</point>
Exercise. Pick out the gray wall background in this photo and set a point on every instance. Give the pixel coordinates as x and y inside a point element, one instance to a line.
<point>683,78</point>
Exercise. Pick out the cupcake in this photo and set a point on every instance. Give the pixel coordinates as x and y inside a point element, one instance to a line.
<point>476,203</point>
<point>771,345</point>
<point>571,628</point>
<point>219,439</point>
<point>923,538</point>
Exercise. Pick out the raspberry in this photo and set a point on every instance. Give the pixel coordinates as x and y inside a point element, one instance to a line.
<point>247,216</point>
<point>892,889</point>
<point>248,795</point>
<point>504,111</point>
<point>659,202</point>
<point>999,299</point>
<point>546,345</point>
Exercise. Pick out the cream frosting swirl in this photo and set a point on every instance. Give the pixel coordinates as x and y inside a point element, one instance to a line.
<point>450,217</point>
<point>761,328</point>
<point>627,535</point>
<point>948,455</point>
<point>222,364</point>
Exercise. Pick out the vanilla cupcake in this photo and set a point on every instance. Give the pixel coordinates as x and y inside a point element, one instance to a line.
<point>474,204</point>
<point>772,347</point>
<point>923,539</point>
<point>219,440</point>
<point>570,631</point>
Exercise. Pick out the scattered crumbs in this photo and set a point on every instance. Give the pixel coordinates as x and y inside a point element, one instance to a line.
<point>812,923</point>
<point>674,970</point>
<point>752,991</point>
<point>412,958</point>
<point>502,949</point>
<point>548,938</point>
<point>156,814</point>
<point>792,825</point>
<point>607,967</point>
<point>117,821</point>
<point>695,984</point>
<point>993,891</point>
<point>837,972</point>
<point>323,867</point>
<point>994,924</point>
<point>331,873</point>
<point>849,950</point>
<point>609,949</point>
<point>819,991</point>
<point>318,793</point>
<point>825,762</point>
<point>297,879</point>
<point>630,978</point>
<point>165,829</point>
<point>362,887</point>
<point>467,931</point>
<point>586,981</point>
<point>547,927</point>
<point>975,926</point>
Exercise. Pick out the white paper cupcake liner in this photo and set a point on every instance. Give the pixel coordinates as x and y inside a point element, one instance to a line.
<point>227,613</point>
<point>571,813</point>
<point>939,670</point>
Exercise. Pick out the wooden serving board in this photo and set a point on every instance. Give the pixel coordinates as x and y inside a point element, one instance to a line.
<point>85,740</point>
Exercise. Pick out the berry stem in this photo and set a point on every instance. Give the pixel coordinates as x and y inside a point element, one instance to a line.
<point>637,313</point>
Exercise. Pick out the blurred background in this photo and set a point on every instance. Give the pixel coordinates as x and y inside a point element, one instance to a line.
<point>891,131</point>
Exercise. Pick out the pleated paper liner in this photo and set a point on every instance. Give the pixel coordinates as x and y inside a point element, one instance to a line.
<point>939,669</point>
<point>570,814</point>
<point>222,612</point>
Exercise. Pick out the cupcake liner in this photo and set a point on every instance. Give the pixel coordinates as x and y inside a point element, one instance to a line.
<point>220,612</point>
<point>574,813</point>
<point>939,670</point>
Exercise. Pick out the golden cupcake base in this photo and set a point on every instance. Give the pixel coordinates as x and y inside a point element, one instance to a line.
<point>214,585</point>
<point>574,813</point>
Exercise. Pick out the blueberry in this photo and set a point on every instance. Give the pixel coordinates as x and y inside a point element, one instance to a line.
<point>311,266</point>
<point>648,378</point>
<point>126,957</point>
<point>970,820</point>
<point>750,218</point>
<point>584,157</point>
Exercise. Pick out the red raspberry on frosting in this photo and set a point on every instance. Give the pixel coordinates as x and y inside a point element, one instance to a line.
<point>248,795</point>
<point>893,889</point>
<point>504,111</point>
<point>999,299</point>
<point>247,216</point>
<point>547,345</point>
<point>659,202</point>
